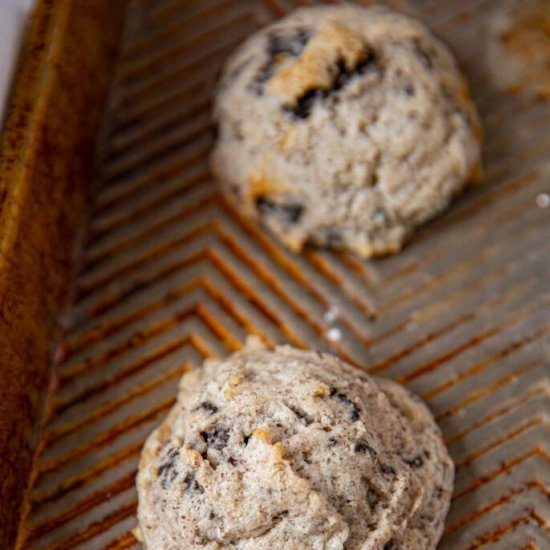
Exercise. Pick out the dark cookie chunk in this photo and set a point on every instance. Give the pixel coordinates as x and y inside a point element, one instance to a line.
<point>191,484</point>
<point>291,43</point>
<point>362,447</point>
<point>208,407</point>
<point>167,469</point>
<point>302,415</point>
<point>387,470</point>
<point>332,442</point>
<point>303,106</point>
<point>287,44</point>
<point>345,74</point>
<point>288,213</point>
<point>347,402</point>
<point>280,516</point>
<point>216,437</point>
<point>416,462</point>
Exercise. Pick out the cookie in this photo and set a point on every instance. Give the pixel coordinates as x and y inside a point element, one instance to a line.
<point>293,450</point>
<point>345,127</point>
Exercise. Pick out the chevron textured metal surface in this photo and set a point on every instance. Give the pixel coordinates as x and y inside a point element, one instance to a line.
<point>170,274</point>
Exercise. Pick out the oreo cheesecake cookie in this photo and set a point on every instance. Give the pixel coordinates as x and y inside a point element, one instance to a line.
<point>293,450</point>
<point>345,127</point>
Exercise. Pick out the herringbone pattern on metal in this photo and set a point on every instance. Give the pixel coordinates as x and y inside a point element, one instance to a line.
<point>170,274</point>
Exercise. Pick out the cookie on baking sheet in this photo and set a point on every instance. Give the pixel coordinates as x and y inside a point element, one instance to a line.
<point>344,127</point>
<point>293,450</point>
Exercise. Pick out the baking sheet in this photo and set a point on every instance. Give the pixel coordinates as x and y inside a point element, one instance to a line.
<point>170,274</point>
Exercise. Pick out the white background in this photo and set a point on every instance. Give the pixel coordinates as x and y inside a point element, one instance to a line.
<point>13,14</point>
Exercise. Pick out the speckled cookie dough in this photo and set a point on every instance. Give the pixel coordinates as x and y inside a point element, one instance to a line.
<point>293,450</point>
<point>344,127</point>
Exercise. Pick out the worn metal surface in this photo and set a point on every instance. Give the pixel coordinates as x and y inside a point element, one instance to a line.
<point>170,274</point>
<point>46,160</point>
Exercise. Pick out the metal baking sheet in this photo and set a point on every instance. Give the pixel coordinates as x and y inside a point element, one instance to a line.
<point>170,274</point>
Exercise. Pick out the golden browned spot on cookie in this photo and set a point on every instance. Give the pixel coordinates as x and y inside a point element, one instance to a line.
<point>190,457</point>
<point>259,185</point>
<point>279,451</point>
<point>322,390</point>
<point>262,434</point>
<point>314,68</point>
<point>230,384</point>
<point>294,242</point>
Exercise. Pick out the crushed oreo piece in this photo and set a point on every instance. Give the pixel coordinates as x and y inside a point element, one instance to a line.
<point>280,515</point>
<point>216,437</point>
<point>191,484</point>
<point>307,420</point>
<point>304,104</point>
<point>232,461</point>
<point>387,470</point>
<point>289,213</point>
<point>416,462</point>
<point>289,44</point>
<point>345,74</point>
<point>246,439</point>
<point>347,402</point>
<point>208,407</point>
<point>332,442</point>
<point>363,447</point>
<point>390,545</point>
<point>167,471</point>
